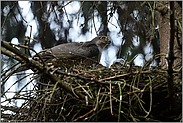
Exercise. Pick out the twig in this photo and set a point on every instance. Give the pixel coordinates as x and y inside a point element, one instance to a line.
<point>40,83</point>
<point>66,15</point>
<point>70,111</point>
<point>150,86</point>
<point>47,16</point>
<point>94,23</point>
<point>79,76</point>
<point>126,74</point>
<point>79,12</point>
<point>30,48</point>
<point>120,93</point>
<point>84,115</point>
<point>110,98</point>
<point>21,15</point>
<point>64,5</point>
<point>56,15</point>
<point>122,42</point>
<point>63,104</point>
<point>9,75</point>
<point>14,84</point>
<point>97,98</point>
<point>7,16</point>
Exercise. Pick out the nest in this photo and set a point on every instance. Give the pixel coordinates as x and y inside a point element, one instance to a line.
<point>119,93</point>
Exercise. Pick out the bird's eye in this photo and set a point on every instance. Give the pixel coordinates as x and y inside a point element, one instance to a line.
<point>102,38</point>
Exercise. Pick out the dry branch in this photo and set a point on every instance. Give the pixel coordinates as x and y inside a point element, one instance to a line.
<point>33,64</point>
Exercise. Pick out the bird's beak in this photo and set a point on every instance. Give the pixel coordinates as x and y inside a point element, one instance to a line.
<point>109,41</point>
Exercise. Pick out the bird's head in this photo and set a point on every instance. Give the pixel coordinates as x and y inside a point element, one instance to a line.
<point>102,42</point>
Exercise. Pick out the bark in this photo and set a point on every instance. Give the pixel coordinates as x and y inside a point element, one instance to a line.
<point>164,33</point>
<point>164,30</point>
<point>170,35</point>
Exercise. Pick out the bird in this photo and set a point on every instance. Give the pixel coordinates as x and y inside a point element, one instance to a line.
<point>75,50</point>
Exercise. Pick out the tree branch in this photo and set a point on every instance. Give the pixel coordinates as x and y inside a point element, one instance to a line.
<point>32,64</point>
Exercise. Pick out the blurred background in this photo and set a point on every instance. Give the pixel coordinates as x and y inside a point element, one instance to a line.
<point>131,26</point>
<point>127,24</point>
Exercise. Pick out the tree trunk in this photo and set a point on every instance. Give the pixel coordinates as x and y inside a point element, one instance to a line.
<point>164,30</point>
<point>170,43</point>
<point>164,33</point>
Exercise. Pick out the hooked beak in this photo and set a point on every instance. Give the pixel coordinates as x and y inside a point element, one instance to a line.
<point>108,42</point>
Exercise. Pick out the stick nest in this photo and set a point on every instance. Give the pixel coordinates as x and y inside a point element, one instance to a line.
<point>119,93</point>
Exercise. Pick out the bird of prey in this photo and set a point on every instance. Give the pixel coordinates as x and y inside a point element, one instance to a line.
<point>78,49</point>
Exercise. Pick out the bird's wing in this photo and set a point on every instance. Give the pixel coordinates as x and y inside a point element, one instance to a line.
<point>71,50</point>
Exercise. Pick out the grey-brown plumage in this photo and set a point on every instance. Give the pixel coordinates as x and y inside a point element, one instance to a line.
<point>76,50</point>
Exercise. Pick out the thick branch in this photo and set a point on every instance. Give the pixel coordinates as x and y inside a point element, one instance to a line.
<point>35,65</point>
<point>10,54</point>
